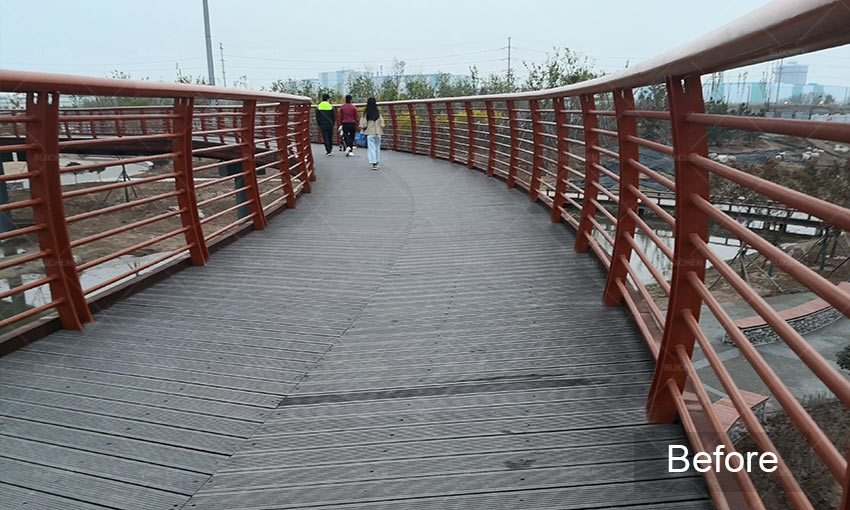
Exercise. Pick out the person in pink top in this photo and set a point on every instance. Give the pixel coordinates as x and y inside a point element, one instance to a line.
<point>348,118</point>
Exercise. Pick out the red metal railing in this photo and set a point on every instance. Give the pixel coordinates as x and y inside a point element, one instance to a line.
<point>211,169</point>
<point>576,149</point>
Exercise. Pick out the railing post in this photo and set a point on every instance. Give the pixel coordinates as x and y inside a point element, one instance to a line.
<point>185,180</point>
<point>46,188</point>
<point>433,127</point>
<point>514,161</point>
<point>563,158</point>
<point>282,134</point>
<point>591,174</point>
<point>622,250</point>
<point>537,162</point>
<point>451,116</point>
<point>845,498</point>
<point>685,97</point>
<point>311,164</point>
<point>302,143</point>
<point>394,121</point>
<point>491,127</point>
<point>249,112</point>
<point>470,131</point>
<point>412,112</point>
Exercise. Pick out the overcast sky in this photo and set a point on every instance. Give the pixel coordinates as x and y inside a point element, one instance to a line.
<point>266,40</point>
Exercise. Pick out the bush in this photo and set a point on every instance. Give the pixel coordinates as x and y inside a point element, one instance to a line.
<point>844,358</point>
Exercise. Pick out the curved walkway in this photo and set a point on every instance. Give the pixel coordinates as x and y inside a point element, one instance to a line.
<point>419,337</point>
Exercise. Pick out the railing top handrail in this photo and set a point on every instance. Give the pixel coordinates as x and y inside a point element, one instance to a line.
<point>782,28</point>
<point>25,81</point>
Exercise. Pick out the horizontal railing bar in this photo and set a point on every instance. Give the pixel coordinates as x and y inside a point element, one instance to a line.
<point>116,185</point>
<point>802,273</point>
<point>124,228</point>
<point>27,286</point>
<point>747,416</point>
<point>693,433</point>
<point>217,164</point>
<point>222,196</point>
<point>7,263</point>
<point>219,180</point>
<point>652,174</point>
<point>116,162</point>
<point>664,215</point>
<point>18,118</point>
<point>214,148</point>
<point>839,385</point>
<point>657,147</point>
<point>138,269</point>
<point>131,249</point>
<point>816,438</point>
<point>119,207</point>
<point>834,131</point>
<point>128,116</point>
<point>637,316</point>
<point>833,214</point>
<point>649,266</point>
<point>607,152</point>
<point>229,226</point>
<point>32,311</point>
<point>20,204</point>
<point>70,144</point>
<point>22,231</point>
<point>651,234</point>
<point>647,114</point>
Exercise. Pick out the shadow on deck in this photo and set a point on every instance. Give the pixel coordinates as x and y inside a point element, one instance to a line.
<point>416,337</point>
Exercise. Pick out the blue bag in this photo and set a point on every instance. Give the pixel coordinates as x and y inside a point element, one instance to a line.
<point>360,139</point>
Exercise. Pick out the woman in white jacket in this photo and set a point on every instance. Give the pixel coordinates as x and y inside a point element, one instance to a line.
<point>372,124</point>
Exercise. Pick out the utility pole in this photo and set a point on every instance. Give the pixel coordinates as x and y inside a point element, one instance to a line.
<point>223,76</point>
<point>779,82</point>
<point>210,66</point>
<point>510,78</point>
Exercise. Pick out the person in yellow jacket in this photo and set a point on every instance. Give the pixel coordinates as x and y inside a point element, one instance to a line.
<point>372,124</point>
<point>326,120</point>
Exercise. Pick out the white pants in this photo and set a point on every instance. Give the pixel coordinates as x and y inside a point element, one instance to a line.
<point>374,144</point>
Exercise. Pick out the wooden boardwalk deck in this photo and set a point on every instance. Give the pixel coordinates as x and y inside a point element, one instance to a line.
<point>419,337</point>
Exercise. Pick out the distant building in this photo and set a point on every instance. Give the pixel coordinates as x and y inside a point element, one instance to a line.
<point>793,73</point>
<point>339,80</point>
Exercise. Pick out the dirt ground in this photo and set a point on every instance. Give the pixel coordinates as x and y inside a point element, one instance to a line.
<point>814,478</point>
<point>757,268</point>
<point>116,219</point>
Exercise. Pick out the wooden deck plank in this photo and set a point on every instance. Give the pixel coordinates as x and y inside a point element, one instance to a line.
<point>419,337</point>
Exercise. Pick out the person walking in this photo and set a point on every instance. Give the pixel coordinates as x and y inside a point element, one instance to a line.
<point>348,118</point>
<point>326,119</point>
<point>372,124</point>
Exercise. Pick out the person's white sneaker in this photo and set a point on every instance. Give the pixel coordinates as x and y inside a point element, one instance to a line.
<point>348,153</point>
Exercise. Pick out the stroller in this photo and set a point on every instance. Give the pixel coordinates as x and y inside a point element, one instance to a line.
<point>342,145</point>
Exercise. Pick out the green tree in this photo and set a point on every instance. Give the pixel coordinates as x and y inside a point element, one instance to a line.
<point>454,87</point>
<point>390,88</point>
<point>496,84</point>
<point>362,88</point>
<point>418,88</point>
<point>562,67</point>
<point>99,101</point>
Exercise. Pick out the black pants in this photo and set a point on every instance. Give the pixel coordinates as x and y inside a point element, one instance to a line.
<point>328,137</point>
<point>348,129</point>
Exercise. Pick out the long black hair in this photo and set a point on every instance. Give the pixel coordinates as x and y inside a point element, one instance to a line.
<point>372,112</point>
